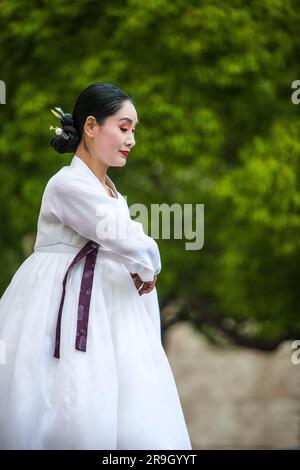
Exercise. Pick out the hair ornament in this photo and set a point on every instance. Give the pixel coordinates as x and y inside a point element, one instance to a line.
<point>59,131</point>
<point>60,115</point>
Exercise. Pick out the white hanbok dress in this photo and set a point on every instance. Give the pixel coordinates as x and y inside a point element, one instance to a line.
<point>120,392</point>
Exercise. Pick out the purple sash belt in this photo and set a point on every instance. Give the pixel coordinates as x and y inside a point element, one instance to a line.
<point>90,251</point>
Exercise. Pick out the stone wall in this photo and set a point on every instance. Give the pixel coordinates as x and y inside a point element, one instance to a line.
<point>235,398</point>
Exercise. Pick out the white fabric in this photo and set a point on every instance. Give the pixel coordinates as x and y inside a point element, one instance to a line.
<point>120,393</point>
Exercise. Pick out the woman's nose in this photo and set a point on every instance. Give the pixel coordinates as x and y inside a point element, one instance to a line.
<point>130,142</point>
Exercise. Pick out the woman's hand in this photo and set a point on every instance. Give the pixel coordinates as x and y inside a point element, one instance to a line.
<point>143,287</point>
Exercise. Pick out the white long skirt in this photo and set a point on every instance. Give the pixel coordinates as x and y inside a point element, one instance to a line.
<point>119,394</point>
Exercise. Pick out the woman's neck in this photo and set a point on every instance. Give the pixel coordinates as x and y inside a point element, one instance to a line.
<point>97,167</point>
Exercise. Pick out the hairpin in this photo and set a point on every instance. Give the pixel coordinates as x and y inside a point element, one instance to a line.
<point>58,113</point>
<point>58,130</point>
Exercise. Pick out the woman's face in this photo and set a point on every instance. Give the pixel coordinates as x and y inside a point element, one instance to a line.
<point>116,134</point>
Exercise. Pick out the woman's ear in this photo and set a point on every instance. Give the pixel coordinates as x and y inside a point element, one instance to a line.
<point>90,126</point>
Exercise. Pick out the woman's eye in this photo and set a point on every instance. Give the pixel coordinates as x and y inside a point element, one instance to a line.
<point>124,130</point>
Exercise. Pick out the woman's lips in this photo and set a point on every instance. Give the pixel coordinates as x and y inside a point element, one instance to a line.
<point>125,154</point>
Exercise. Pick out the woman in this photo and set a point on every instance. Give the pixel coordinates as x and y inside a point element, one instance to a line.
<point>85,367</point>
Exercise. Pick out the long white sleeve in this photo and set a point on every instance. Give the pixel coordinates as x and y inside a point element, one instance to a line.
<point>97,217</point>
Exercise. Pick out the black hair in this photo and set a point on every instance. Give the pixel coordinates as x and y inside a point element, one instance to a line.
<point>100,100</point>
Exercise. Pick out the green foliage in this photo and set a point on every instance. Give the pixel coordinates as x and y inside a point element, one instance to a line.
<point>212,85</point>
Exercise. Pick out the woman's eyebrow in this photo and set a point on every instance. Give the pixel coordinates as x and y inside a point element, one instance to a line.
<point>128,119</point>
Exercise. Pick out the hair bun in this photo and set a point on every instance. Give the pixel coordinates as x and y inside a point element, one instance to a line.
<point>67,119</point>
<point>59,142</point>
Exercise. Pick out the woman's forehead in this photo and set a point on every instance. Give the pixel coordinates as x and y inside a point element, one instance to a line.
<point>128,112</point>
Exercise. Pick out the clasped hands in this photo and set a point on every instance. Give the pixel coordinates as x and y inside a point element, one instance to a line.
<point>143,287</point>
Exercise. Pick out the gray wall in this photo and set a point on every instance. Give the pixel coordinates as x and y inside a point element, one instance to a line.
<point>235,398</point>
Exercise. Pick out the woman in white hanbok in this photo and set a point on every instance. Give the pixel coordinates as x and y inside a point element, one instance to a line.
<point>83,366</point>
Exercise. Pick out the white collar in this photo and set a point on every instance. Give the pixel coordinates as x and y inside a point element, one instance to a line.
<point>77,162</point>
